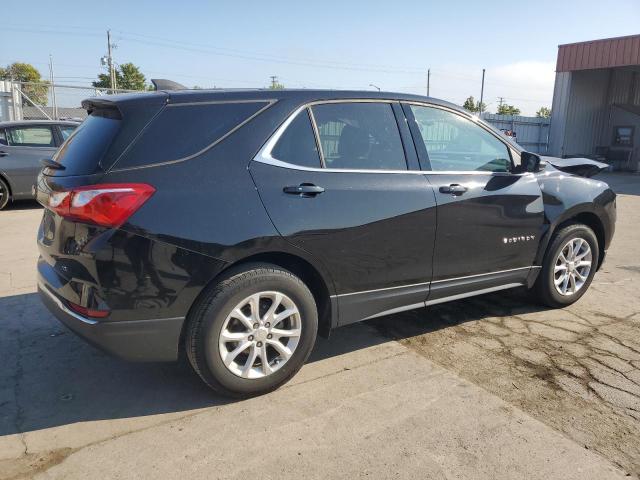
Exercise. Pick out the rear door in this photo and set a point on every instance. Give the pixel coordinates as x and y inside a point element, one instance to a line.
<point>489,219</point>
<point>20,158</point>
<point>341,181</point>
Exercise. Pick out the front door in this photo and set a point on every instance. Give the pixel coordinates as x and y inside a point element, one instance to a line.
<point>348,197</point>
<point>489,219</point>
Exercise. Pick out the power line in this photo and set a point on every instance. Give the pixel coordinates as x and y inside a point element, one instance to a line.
<point>206,49</point>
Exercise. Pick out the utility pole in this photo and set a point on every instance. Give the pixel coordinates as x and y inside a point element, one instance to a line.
<point>274,82</point>
<point>481,95</point>
<point>500,102</point>
<point>53,88</point>
<point>112,69</point>
<point>428,81</point>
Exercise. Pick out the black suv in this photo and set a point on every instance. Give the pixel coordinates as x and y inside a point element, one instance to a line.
<point>236,225</point>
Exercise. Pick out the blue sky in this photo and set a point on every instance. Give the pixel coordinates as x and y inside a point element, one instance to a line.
<point>329,44</point>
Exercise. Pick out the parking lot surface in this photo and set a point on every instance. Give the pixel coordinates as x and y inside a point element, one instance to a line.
<point>490,387</point>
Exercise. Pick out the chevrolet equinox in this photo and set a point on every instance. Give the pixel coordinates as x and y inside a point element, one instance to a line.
<point>235,226</point>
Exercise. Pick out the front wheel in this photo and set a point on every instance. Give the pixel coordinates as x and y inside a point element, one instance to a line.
<point>252,331</point>
<point>568,267</point>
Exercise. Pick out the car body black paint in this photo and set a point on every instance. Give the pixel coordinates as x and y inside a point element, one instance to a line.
<point>379,241</point>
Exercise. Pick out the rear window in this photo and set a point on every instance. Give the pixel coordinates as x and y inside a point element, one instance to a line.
<point>180,131</point>
<point>84,148</point>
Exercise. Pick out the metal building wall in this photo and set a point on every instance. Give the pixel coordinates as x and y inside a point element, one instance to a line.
<point>561,95</point>
<point>582,107</point>
<point>585,112</point>
<point>532,132</point>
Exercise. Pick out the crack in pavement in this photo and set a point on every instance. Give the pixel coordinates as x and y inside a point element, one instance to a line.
<point>573,370</point>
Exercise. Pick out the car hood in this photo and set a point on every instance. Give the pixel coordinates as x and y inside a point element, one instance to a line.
<point>583,167</point>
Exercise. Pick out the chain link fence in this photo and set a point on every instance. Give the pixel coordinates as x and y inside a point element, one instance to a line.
<point>44,101</point>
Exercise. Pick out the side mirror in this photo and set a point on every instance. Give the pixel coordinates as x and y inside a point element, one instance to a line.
<point>529,162</point>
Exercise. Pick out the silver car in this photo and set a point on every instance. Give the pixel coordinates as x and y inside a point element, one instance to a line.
<point>22,146</point>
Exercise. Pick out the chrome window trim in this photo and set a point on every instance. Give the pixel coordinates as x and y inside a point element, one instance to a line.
<point>265,156</point>
<point>316,135</point>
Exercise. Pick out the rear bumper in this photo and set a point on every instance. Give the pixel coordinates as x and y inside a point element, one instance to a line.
<point>153,340</point>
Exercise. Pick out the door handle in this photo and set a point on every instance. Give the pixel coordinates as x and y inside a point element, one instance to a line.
<point>4,154</point>
<point>304,190</point>
<point>454,189</point>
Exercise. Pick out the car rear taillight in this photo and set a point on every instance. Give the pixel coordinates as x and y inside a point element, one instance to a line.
<point>108,205</point>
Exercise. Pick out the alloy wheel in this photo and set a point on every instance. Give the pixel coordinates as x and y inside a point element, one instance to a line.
<point>260,334</point>
<point>572,266</point>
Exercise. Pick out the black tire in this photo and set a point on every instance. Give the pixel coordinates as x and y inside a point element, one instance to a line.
<point>544,288</point>
<point>5,194</point>
<point>207,318</point>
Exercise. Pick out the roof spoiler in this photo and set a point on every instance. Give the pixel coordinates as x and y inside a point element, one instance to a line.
<point>164,84</point>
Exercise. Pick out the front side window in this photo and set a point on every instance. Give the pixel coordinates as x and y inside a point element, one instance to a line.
<point>359,135</point>
<point>455,143</point>
<point>30,137</point>
<point>297,145</point>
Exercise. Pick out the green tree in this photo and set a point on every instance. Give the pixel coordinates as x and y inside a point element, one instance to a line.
<point>471,105</point>
<point>33,86</point>
<point>276,86</point>
<point>544,112</point>
<point>128,77</point>
<point>505,109</point>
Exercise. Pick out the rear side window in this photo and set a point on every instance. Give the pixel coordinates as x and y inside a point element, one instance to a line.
<point>30,137</point>
<point>180,131</point>
<point>85,147</point>
<point>359,135</point>
<point>297,145</point>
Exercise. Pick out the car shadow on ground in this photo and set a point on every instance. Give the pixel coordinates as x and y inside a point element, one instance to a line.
<point>22,205</point>
<point>49,377</point>
<point>423,321</point>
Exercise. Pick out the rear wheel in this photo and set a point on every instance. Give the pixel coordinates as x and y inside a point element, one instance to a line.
<point>253,331</point>
<point>5,195</point>
<point>568,267</point>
